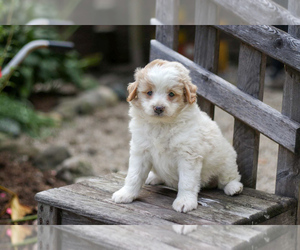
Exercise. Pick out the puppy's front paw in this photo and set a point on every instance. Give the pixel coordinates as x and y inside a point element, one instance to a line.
<point>185,204</point>
<point>123,196</point>
<point>233,188</point>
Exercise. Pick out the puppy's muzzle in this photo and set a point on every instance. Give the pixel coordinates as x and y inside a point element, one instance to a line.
<point>159,109</point>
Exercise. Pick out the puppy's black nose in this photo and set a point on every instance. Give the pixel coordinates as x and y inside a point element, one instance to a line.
<point>159,109</point>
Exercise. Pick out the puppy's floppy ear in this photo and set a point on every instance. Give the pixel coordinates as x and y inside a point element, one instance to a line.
<point>190,91</point>
<point>132,91</point>
<point>132,87</point>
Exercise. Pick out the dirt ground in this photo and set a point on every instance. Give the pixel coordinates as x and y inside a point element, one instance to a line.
<point>19,176</point>
<point>102,139</point>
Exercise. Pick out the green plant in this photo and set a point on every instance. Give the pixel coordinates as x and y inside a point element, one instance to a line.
<point>30,121</point>
<point>44,65</point>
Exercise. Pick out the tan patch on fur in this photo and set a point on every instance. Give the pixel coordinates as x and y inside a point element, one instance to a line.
<point>158,62</point>
<point>132,91</point>
<point>189,89</point>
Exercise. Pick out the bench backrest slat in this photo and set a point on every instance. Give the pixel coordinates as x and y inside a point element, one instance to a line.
<point>206,12</point>
<point>207,44</point>
<point>167,13</point>
<point>287,178</point>
<point>251,74</point>
<point>269,40</point>
<point>259,11</point>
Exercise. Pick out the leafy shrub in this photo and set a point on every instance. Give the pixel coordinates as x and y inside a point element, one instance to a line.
<point>30,121</point>
<point>42,65</point>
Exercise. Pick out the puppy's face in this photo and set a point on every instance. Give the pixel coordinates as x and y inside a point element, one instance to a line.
<point>162,89</point>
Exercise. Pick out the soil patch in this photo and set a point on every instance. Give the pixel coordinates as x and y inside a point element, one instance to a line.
<point>19,176</point>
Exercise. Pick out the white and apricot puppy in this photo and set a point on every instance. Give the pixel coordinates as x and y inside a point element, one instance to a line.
<point>173,142</point>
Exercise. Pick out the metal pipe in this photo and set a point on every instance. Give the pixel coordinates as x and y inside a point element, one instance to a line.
<point>21,55</point>
<point>28,48</point>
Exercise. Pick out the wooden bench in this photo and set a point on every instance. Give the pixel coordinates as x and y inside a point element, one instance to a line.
<point>90,202</point>
<point>167,237</point>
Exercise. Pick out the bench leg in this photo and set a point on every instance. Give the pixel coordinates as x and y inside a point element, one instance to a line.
<point>47,215</point>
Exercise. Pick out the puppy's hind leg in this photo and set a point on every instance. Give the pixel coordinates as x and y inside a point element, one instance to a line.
<point>230,183</point>
<point>153,179</point>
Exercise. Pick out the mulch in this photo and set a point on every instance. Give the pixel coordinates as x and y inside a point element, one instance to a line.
<point>19,175</point>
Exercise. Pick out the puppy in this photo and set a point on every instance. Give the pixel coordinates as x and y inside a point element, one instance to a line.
<point>173,142</point>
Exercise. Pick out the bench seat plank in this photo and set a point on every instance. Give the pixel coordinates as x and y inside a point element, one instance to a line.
<point>89,202</point>
<point>167,237</point>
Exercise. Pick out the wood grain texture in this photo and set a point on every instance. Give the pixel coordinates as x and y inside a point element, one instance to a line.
<point>251,74</point>
<point>287,178</point>
<point>48,238</point>
<point>47,215</point>
<point>269,40</point>
<point>173,237</point>
<point>163,198</point>
<point>167,12</point>
<point>246,108</point>
<point>90,208</point>
<point>206,12</point>
<point>120,237</point>
<point>207,44</point>
<point>89,202</point>
<point>259,12</point>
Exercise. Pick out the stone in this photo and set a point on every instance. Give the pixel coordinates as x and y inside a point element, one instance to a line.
<point>51,157</point>
<point>74,168</point>
<point>87,102</point>
<point>18,148</point>
<point>10,127</point>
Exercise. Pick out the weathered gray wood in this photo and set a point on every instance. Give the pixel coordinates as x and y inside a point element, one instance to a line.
<point>169,236</point>
<point>89,202</point>
<point>87,207</point>
<point>251,111</point>
<point>286,218</point>
<point>103,190</point>
<point>47,238</point>
<point>269,40</point>
<point>286,239</point>
<point>213,213</point>
<point>206,12</point>
<point>167,12</point>
<point>206,54</point>
<point>47,215</point>
<point>259,12</point>
<point>288,179</point>
<point>218,236</point>
<point>119,237</point>
<point>251,75</point>
<point>69,218</point>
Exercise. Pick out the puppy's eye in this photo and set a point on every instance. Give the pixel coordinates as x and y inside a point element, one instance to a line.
<point>150,93</point>
<point>171,94</point>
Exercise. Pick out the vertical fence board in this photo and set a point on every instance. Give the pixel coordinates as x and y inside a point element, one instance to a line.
<point>167,12</point>
<point>206,54</point>
<point>251,73</point>
<point>206,13</point>
<point>287,178</point>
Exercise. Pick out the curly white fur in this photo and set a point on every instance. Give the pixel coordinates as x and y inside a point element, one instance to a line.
<point>181,146</point>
